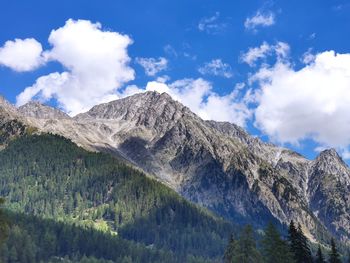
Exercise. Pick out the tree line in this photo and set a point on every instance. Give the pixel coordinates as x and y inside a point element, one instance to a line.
<point>50,177</point>
<point>273,248</point>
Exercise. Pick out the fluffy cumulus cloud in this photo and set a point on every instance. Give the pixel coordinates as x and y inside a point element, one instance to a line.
<point>280,50</point>
<point>216,68</point>
<point>21,54</point>
<point>153,66</point>
<point>313,102</point>
<point>212,25</point>
<point>259,20</point>
<point>96,63</point>
<point>198,95</point>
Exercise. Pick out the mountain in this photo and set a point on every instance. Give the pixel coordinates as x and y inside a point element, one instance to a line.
<point>11,122</point>
<point>105,202</point>
<point>214,164</point>
<point>328,191</point>
<point>37,110</point>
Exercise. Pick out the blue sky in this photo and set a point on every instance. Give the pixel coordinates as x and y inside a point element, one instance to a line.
<point>278,68</point>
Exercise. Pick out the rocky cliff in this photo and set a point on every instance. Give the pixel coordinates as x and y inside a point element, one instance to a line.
<point>215,164</point>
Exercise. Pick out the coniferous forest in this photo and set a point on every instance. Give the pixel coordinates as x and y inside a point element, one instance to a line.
<point>69,191</point>
<point>64,204</point>
<point>272,247</point>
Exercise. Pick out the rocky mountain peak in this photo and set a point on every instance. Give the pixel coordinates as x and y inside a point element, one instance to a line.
<point>35,109</point>
<point>149,109</point>
<point>11,122</point>
<point>328,191</point>
<point>2,100</point>
<point>329,153</point>
<point>216,164</point>
<point>7,107</point>
<point>329,161</point>
<point>329,166</point>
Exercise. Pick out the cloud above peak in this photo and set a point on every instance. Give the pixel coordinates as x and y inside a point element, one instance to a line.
<point>260,19</point>
<point>152,66</point>
<point>199,96</point>
<point>212,25</point>
<point>310,103</point>
<point>280,50</point>
<point>21,54</point>
<point>216,67</point>
<point>96,65</point>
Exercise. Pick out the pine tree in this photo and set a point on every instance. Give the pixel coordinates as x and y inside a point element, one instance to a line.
<point>305,250</point>
<point>229,252</point>
<point>245,250</point>
<point>299,244</point>
<point>293,238</point>
<point>319,256</point>
<point>3,223</point>
<point>274,248</point>
<point>334,256</point>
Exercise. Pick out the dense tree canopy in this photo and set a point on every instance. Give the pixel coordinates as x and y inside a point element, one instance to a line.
<point>70,205</point>
<point>299,244</point>
<point>334,256</point>
<point>274,248</point>
<point>319,256</point>
<point>50,177</point>
<point>243,250</point>
<point>4,228</point>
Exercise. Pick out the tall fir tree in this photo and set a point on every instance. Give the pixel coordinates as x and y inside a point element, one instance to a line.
<point>245,250</point>
<point>4,228</point>
<point>299,244</point>
<point>229,252</point>
<point>274,248</point>
<point>334,256</point>
<point>319,256</point>
<point>293,238</point>
<point>304,246</point>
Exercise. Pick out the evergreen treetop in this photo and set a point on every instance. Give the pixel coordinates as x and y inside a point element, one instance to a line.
<point>3,223</point>
<point>243,250</point>
<point>334,256</point>
<point>274,248</point>
<point>319,256</point>
<point>299,244</point>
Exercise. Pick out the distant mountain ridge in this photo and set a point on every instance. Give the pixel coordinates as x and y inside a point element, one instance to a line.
<point>215,164</point>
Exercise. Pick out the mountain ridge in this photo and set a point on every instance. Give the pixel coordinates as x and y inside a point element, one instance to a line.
<point>216,164</point>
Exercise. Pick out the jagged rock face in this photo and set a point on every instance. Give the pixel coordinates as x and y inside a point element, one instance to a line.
<point>11,123</point>
<point>36,110</point>
<point>215,164</point>
<point>329,192</point>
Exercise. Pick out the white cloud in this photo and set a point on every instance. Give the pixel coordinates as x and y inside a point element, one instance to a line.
<point>217,68</point>
<point>21,54</point>
<point>129,91</point>
<point>308,57</point>
<point>280,50</point>
<point>152,65</point>
<point>170,50</point>
<point>310,103</point>
<point>211,24</point>
<point>259,20</point>
<point>197,94</point>
<point>96,65</point>
<point>253,54</point>
<point>163,78</point>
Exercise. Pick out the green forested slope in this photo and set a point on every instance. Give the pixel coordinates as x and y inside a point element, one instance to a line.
<point>32,240</point>
<point>49,176</point>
